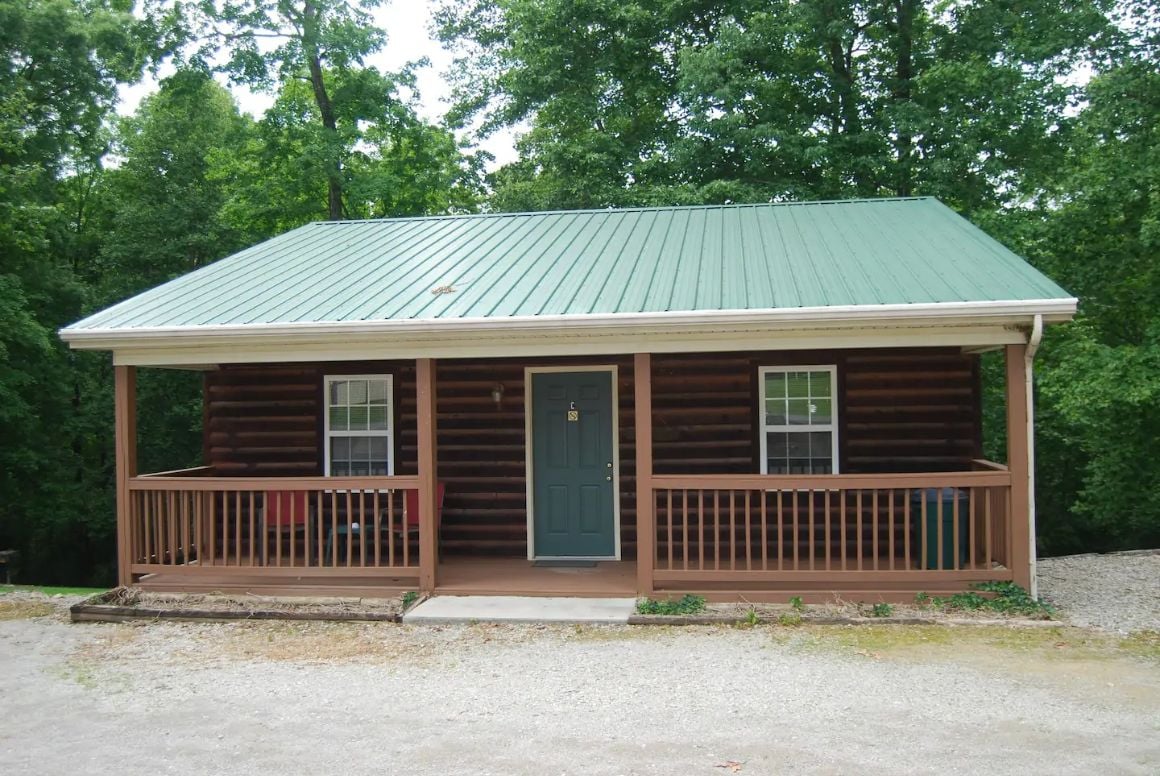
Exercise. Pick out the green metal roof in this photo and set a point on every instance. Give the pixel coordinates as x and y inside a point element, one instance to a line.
<point>594,262</point>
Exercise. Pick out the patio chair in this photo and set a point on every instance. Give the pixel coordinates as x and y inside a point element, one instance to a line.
<point>411,511</point>
<point>285,512</point>
<point>408,527</point>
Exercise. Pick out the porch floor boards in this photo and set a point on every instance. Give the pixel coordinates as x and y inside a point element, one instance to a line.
<point>456,576</point>
<point>517,576</point>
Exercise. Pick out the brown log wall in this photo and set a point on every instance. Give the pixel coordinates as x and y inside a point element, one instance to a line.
<point>900,410</point>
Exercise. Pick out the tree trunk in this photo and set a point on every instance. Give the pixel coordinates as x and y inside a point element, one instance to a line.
<point>900,94</point>
<point>325,108</point>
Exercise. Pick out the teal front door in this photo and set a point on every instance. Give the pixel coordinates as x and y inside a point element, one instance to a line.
<point>573,506</point>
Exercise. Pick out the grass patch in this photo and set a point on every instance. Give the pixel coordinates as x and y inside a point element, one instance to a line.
<point>23,609</point>
<point>1145,644</point>
<point>48,590</point>
<point>1034,646</point>
<point>687,604</point>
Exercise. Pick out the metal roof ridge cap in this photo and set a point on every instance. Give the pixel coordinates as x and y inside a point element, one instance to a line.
<point>894,311</point>
<point>631,209</point>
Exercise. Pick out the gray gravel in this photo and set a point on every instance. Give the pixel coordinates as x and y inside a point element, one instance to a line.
<point>316,698</point>
<point>1116,592</point>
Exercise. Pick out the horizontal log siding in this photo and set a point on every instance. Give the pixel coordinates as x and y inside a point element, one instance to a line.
<point>913,410</point>
<point>902,410</point>
<point>482,455</point>
<point>266,420</point>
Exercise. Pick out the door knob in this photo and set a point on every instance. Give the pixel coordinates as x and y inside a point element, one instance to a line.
<point>609,478</point>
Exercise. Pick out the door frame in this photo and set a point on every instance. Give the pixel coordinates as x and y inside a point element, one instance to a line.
<point>529,441</point>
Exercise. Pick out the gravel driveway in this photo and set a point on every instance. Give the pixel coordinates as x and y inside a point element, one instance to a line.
<point>1117,592</point>
<point>317,698</point>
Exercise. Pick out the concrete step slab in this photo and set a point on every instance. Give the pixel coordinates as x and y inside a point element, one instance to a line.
<point>462,609</point>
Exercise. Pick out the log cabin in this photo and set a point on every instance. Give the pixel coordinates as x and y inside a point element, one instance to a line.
<point>758,401</point>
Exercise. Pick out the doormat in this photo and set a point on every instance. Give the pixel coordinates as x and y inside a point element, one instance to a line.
<point>565,564</point>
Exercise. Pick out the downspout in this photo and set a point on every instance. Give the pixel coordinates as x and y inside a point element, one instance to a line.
<point>1028,372</point>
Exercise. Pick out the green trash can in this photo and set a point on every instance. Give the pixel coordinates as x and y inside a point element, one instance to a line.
<point>940,505</point>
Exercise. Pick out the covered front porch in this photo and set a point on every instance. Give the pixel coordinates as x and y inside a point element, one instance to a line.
<point>907,505</point>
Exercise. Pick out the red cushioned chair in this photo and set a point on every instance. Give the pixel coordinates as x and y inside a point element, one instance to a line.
<point>285,512</point>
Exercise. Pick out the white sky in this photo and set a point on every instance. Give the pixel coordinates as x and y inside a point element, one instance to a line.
<point>409,38</point>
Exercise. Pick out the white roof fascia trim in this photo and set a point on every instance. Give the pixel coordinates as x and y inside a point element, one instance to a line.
<point>372,349</point>
<point>1050,309</point>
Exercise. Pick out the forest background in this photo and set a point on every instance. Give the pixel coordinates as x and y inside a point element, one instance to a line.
<point>1039,120</point>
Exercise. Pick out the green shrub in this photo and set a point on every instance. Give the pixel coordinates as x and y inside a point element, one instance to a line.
<point>1008,598</point>
<point>687,604</point>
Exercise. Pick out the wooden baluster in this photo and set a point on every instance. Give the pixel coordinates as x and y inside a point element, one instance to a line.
<point>874,525</point>
<point>858,524</point>
<point>925,529</point>
<point>716,529</point>
<point>150,512</point>
<point>349,531</point>
<point>906,533</point>
<point>941,556</point>
<point>955,564</point>
<point>780,532</point>
<point>732,530</point>
<point>700,530</point>
<point>748,535</point>
<point>761,494</point>
<point>363,527</point>
<point>267,507</point>
<point>334,539</point>
<point>319,538</point>
<point>829,529</point>
<point>404,536</point>
<point>292,534</point>
<point>171,527</point>
<point>212,517</point>
<point>237,528</point>
<point>796,536</point>
<point>842,524</point>
<point>987,496</point>
<point>378,529</point>
<point>972,530</point>
<point>813,539</point>
<point>890,538</point>
<point>390,528</point>
<point>669,524</point>
<point>685,528</point>
<point>185,496</point>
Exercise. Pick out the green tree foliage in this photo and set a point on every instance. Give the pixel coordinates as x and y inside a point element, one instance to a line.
<point>338,125</point>
<point>94,209</point>
<point>60,68</point>
<point>750,101</point>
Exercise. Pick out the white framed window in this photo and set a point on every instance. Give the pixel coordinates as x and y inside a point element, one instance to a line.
<point>799,419</point>
<point>358,426</point>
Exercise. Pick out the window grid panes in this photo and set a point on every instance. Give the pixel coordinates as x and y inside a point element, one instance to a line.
<point>799,430</point>
<point>358,426</point>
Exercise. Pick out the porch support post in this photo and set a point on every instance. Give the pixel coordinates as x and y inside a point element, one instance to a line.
<point>645,502</point>
<point>428,498</point>
<point>1018,464</point>
<point>125,433</point>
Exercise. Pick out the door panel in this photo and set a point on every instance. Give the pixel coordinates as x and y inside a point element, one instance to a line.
<point>572,477</point>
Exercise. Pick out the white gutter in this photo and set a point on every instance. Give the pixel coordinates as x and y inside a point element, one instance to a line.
<point>1028,373</point>
<point>939,312</point>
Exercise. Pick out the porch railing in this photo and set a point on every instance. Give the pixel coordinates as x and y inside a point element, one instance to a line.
<point>874,527</point>
<point>290,526</point>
